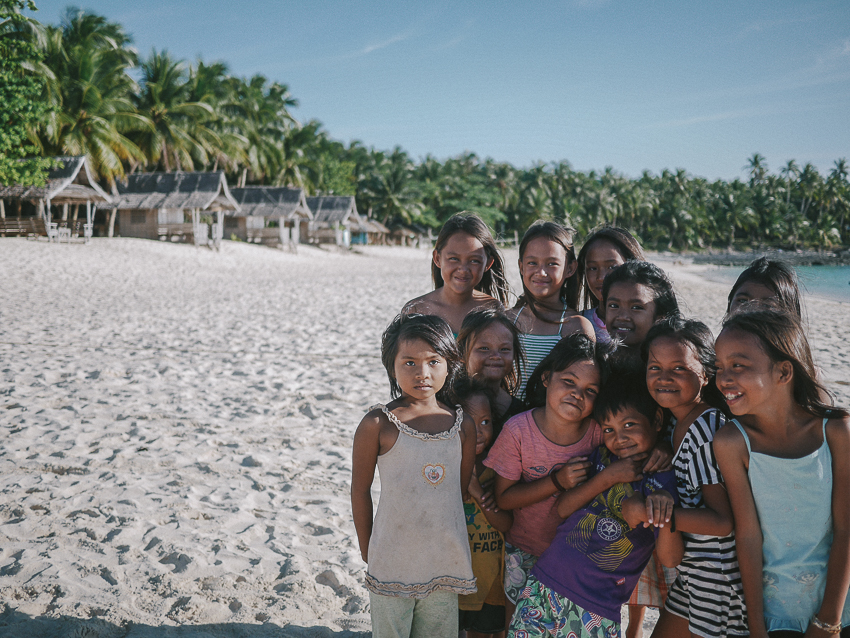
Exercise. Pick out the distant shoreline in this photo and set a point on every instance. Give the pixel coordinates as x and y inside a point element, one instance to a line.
<point>795,258</point>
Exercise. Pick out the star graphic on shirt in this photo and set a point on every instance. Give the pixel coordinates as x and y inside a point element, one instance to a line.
<point>609,529</point>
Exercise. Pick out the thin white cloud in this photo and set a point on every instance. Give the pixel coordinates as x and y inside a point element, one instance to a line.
<point>838,53</point>
<point>760,26</point>
<point>382,45</point>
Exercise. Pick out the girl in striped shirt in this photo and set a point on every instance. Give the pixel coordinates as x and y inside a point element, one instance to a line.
<point>707,597</point>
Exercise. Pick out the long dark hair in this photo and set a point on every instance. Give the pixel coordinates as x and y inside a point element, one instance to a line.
<point>563,236</point>
<point>479,320</point>
<point>623,241</point>
<point>649,275</point>
<point>782,337</point>
<point>780,277</point>
<point>569,350</point>
<point>434,331</point>
<point>698,336</point>
<point>494,282</point>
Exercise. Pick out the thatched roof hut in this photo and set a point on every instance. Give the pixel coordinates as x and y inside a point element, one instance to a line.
<point>369,231</point>
<point>154,205</point>
<point>264,207</point>
<point>70,182</point>
<point>333,218</point>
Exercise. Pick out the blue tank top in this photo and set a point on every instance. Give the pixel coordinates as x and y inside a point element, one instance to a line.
<point>793,500</point>
<point>535,348</point>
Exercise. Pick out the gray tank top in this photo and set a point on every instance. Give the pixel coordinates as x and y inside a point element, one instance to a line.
<point>419,542</point>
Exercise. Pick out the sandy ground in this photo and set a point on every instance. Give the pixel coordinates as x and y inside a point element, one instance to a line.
<point>177,427</point>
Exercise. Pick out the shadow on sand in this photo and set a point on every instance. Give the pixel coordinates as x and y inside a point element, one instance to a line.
<point>14,624</point>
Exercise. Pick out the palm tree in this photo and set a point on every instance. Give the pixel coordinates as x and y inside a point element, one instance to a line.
<point>392,189</point>
<point>91,95</point>
<point>260,113</point>
<point>180,137</point>
<point>757,168</point>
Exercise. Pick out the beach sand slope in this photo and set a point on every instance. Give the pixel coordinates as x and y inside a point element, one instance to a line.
<point>176,430</point>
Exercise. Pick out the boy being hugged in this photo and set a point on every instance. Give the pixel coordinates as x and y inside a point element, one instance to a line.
<point>613,522</point>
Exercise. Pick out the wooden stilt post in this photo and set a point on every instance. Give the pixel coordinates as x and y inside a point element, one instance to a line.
<point>2,209</point>
<point>87,229</point>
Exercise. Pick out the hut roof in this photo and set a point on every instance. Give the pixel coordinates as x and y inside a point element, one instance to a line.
<point>267,201</point>
<point>147,191</point>
<point>71,182</point>
<point>333,208</point>
<point>372,226</point>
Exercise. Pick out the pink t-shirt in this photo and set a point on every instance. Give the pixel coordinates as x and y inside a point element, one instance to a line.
<point>521,452</point>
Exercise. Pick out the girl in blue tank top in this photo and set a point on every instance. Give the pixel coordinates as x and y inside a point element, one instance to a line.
<point>784,459</point>
<point>545,312</point>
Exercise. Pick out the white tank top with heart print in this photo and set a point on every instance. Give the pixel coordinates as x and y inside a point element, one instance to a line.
<point>419,542</point>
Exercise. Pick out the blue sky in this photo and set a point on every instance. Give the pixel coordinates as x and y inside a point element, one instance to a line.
<point>633,85</point>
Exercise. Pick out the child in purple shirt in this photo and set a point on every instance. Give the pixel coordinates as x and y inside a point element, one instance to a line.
<point>613,523</point>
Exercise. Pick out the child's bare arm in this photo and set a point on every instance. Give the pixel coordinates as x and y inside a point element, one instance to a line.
<point>364,458</point>
<point>620,471</point>
<point>660,457</point>
<point>670,547</point>
<point>467,461</point>
<point>715,519</point>
<point>733,459</point>
<point>513,494</point>
<point>500,519</point>
<point>838,567</point>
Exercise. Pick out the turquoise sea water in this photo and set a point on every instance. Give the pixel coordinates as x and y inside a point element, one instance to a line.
<point>832,282</point>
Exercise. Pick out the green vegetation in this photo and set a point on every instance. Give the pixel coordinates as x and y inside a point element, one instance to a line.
<point>21,84</point>
<point>68,88</point>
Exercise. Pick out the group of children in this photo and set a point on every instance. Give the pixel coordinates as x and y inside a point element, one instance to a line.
<point>543,466</point>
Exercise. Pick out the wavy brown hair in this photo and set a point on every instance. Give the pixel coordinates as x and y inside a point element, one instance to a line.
<point>494,282</point>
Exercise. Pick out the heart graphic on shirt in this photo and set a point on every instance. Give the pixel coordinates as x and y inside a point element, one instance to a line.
<point>434,474</point>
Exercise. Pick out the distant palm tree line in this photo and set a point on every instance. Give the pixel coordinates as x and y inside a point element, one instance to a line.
<point>187,117</point>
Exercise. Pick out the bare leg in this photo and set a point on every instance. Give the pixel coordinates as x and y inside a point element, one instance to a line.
<point>635,626</point>
<point>671,626</point>
<point>510,608</point>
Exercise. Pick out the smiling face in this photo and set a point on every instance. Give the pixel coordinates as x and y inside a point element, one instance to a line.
<point>749,294</point>
<point>419,371</point>
<point>601,258</point>
<point>628,432</point>
<point>570,393</point>
<point>462,262</point>
<point>674,375</point>
<point>746,376</point>
<point>491,353</point>
<point>629,312</point>
<point>544,267</point>
<point>478,408</point>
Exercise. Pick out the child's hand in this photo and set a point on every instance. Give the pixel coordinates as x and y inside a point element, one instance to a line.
<point>659,509</point>
<point>574,472</point>
<point>634,511</point>
<point>626,470</point>
<point>660,458</point>
<point>483,494</point>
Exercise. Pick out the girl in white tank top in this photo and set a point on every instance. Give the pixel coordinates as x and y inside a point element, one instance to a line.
<point>416,548</point>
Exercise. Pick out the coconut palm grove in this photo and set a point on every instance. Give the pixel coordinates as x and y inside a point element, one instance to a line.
<point>79,88</point>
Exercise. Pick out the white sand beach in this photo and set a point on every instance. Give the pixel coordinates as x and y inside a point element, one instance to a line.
<point>177,426</point>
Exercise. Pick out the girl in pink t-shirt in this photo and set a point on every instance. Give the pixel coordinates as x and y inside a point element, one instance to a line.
<point>542,452</point>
